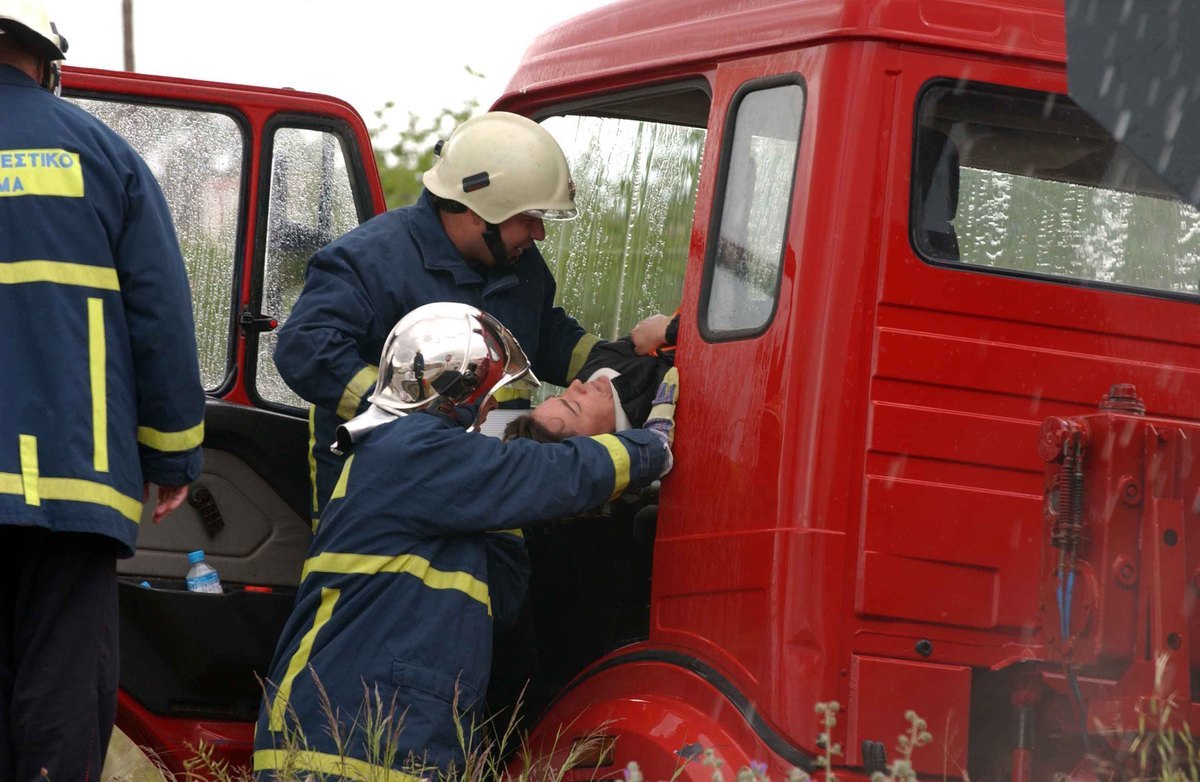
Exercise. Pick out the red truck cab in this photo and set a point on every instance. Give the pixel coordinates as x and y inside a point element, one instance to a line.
<point>910,269</point>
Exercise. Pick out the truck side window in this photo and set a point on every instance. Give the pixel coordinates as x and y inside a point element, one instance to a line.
<point>745,255</point>
<point>624,257</point>
<point>311,204</point>
<point>1025,183</point>
<point>197,157</point>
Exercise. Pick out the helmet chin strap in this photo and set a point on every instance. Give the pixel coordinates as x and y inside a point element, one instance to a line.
<point>495,245</point>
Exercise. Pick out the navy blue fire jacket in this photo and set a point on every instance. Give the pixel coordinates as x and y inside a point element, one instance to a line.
<point>363,283</point>
<point>100,389</point>
<point>394,596</point>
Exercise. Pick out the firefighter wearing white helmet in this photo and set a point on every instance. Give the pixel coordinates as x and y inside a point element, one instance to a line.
<point>499,165</point>
<point>29,23</point>
<point>101,398</point>
<point>400,577</point>
<point>470,237</point>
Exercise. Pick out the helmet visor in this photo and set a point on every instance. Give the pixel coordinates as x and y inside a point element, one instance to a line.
<point>552,214</point>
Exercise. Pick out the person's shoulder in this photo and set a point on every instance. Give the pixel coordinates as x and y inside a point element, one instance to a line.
<point>382,231</point>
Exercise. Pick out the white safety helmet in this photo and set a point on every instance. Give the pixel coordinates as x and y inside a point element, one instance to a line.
<point>29,22</point>
<point>499,165</point>
<point>441,353</point>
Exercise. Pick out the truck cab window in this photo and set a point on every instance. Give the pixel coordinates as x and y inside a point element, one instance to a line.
<point>197,157</point>
<point>1026,183</point>
<point>746,248</point>
<point>311,204</point>
<point>624,257</point>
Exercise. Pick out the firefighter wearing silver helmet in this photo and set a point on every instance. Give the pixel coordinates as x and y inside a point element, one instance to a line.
<point>101,398</point>
<point>445,354</point>
<point>399,577</point>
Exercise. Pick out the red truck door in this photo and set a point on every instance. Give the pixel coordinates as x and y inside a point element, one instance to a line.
<point>257,180</point>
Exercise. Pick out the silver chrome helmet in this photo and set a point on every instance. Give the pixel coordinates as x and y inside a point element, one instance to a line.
<point>441,353</point>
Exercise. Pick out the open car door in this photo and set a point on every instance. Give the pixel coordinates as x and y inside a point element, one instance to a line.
<point>257,180</point>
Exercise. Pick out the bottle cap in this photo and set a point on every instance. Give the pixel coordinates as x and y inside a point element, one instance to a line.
<point>195,556</point>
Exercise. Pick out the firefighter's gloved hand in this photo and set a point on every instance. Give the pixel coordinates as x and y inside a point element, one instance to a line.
<point>661,420</point>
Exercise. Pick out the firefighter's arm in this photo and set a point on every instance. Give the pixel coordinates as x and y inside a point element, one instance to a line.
<point>522,482</point>
<point>319,351</point>
<point>162,336</point>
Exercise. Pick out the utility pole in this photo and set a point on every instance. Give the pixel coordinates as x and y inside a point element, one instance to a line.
<point>127,27</point>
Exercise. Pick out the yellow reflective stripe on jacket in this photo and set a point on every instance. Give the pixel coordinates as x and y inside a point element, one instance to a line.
<point>330,765</point>
<point>516,533</point>
<point>98,372</point>
<point>29,469</point>
<point>43,172</point>
<point>579,355</point>
<point>358,387</point>
<point>312,461</point>
<point>508,394</point>
<point>413,565</point>
<point>184,440</point>
<point>60,272</point>
<point>299,660</point>
<point>73,490</point>
<point>339,488</point>
<point>620,460</point>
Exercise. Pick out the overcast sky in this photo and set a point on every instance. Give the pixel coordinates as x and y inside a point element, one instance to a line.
<point>364,51</point>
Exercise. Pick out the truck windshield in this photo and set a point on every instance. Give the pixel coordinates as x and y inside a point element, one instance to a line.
<point>1026,182</point>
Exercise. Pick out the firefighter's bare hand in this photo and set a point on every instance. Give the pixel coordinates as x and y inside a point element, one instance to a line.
<point>650,334</point>
<point>169,498</point>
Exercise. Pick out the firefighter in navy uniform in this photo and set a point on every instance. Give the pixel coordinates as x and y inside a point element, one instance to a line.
<point>395,607</point>
<point>100,396</point>
<point>469,238</point>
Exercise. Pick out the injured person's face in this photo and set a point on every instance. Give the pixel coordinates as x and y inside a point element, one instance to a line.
<point>584,409</point>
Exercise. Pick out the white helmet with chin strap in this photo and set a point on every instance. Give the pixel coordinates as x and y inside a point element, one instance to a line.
<point>499,165</point>
<point>28,21</point>
<point>440,354</point>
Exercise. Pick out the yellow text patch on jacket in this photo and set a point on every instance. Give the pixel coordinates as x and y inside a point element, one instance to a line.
<point>43,172</point>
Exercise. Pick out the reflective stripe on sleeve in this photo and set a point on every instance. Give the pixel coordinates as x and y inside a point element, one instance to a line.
<point>413,565</point>
<point>507,394</point>
<point>579,354</point>
<point>312,460</point>
<point>620,459</point>
<point>299,660</point>
<point>60,272</point>
<point>516,533</point>
<point>159,440</point>
<point>330,765</point>
<point>97,369</point>
<point>358,387</point>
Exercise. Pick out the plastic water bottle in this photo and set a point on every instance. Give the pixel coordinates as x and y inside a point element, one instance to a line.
<point>201,577</point>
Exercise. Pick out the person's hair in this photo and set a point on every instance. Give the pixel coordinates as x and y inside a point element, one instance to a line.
<point>525,426</point>
<point>447,205</point>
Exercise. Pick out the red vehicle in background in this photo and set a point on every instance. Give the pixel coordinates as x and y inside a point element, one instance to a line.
<point>937,445</point>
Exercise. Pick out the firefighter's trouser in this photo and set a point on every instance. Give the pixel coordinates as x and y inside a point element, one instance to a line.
<point>58,653</point>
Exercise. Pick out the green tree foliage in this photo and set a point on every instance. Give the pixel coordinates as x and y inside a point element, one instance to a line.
<point>402,163</point>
